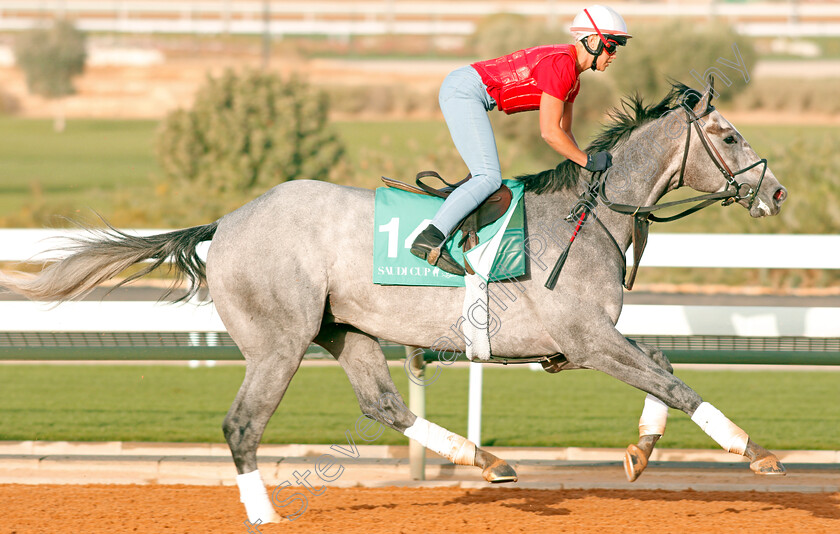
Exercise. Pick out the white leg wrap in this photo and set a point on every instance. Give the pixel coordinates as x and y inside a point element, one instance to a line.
<point>726,433</point>
<point>451,446</point>
<point>254,496</point>
<point>654,416</point>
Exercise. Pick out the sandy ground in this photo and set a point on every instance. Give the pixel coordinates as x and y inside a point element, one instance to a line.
<point>150,92</point>
<point>97,509</point>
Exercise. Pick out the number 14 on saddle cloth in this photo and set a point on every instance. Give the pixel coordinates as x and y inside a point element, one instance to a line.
<point>399,216</point>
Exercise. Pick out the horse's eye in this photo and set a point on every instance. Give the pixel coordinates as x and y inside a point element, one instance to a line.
<point>730,140</point>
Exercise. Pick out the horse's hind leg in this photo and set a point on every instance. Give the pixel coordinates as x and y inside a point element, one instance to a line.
<point>608,351</point>
<point>361,357</point>
<point>266,379</point>
<point>271,299</point>
<point>273,345</point>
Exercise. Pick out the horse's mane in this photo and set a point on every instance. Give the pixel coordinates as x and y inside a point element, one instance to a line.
<point>623,120</point>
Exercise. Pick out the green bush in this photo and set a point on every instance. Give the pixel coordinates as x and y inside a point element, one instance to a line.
<point>807,166</point>
<point>673,50</point>
<point>50,58</point>
<point>246,133</point>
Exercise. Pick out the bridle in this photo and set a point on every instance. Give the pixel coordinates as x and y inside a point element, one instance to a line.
<point>719,162</point>
<point>643,215</point>
<point>732,193</point>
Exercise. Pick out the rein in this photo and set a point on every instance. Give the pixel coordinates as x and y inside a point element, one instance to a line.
<point>731,194</point>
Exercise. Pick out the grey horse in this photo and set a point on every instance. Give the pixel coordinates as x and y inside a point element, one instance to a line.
<point>294,267</point>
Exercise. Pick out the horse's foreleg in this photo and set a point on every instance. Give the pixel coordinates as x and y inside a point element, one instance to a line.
<point>651,428</point>
<point>614,355</point>
<point>729,436</point>
<point>651,423</point>
<point>762,461</point>
<point>361,357</point>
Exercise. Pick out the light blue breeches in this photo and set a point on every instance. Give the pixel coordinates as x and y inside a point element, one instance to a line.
<point>465,102</point>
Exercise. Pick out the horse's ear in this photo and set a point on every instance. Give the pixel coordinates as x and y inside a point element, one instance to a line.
<point>706,100</point>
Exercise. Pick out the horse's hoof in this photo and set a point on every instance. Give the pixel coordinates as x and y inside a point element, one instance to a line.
<point>269,517</point>
<point>635,462</point>
<point>498,472</point>
<point>768,465</point>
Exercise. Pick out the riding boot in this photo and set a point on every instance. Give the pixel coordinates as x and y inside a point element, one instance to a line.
<point>430,246</point>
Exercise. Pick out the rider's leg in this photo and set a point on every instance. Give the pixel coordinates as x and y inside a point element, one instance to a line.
<point>464,102</point>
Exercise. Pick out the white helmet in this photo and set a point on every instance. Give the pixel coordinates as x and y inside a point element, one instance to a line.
<point>598,17</point>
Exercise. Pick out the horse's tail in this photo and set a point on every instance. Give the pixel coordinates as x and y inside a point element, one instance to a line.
<point>107,252</point>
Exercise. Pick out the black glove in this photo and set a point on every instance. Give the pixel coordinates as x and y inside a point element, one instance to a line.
<point>598,162</point>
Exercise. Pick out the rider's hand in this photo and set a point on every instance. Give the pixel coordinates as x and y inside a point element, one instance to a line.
<point>598,162</point>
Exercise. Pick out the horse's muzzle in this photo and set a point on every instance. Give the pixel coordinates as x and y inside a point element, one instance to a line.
<point>768,204</point>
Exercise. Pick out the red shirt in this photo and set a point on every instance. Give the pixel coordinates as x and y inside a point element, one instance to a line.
<point>517,81</point>
<point>557,76</point>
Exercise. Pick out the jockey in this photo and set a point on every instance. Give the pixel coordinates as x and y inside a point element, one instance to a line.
<point>544,78</point>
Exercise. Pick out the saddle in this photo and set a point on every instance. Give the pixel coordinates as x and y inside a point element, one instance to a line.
<point>486,213</point>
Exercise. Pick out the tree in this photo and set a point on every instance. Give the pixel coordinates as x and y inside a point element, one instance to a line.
<point>683,51</point>
<point>50,58</point>
<point>244,134</point>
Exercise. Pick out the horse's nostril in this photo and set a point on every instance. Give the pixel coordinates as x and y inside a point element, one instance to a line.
<point>780,195</point>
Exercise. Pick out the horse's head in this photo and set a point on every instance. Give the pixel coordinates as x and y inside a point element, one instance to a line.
<point>720,159</point>
<point>656,148</point>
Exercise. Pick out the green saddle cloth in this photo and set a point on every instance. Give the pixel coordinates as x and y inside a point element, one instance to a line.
<point>399,216</point>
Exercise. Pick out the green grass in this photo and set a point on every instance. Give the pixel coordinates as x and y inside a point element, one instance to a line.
<point>794,410</point>
<point>101,155</point>
<point>85,166</point>
<point>400,149</point>
<point>96,161</point>
<point>105,165</point>
<point>78,167</point>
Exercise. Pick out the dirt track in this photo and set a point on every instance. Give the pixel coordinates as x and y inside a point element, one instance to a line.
<point>93,509</point>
